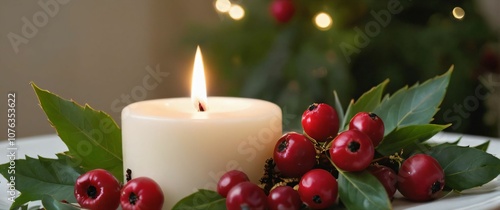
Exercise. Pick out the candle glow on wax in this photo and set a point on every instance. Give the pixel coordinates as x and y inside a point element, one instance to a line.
<point>198,84</point>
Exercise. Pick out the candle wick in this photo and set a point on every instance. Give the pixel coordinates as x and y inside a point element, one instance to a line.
<point>201,107</point>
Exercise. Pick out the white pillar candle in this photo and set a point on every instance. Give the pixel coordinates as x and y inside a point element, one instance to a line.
<point>184,149</point>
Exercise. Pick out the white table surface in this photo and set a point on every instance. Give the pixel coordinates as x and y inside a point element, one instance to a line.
<point>485,197</point>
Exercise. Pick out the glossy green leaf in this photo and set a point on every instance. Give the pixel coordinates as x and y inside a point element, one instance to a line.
<point>408,138</point>
<point>465,167</point>
<point>35,178</point>
<point>426,146</point>
<point>414,105</point>
<point>49,203</point>
<point>361,190</point>
<point>365,103</point>
<point>202,200</point>
<point>92,137</point>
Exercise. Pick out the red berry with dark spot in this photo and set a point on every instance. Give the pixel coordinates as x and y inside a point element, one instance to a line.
<point>320,122</point>
<point>97,190</point>
<point>370,124</point>
<point>284,197</point>
<point>420,178</point>
<point>352,150</point>
<point>387,177</point>
<point>142,193</point>
<point>294,154</point>
<point>318,189</point>
<point>246,195</point>
<point>229,180</point>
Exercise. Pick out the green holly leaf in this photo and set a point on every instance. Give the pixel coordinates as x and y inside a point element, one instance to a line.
<point>361,190</point>
<point>484,146</point>
<point>35,178</point>
<point>92,137</point>
<point>49,203</point>
<point>365,103</point>
<point>465,167</point>
<point>408,138</point>
<point>414,105</point>
<point>203,200</point>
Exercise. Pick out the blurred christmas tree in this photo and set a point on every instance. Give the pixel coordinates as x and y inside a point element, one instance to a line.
<point>295,52</point>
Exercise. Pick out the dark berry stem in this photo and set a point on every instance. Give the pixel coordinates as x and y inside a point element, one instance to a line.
<point>128,176</point>
<point>373,115</point>
<point>312,107</point>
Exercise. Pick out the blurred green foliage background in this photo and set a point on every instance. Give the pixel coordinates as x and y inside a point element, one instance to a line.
<point>295,64</point>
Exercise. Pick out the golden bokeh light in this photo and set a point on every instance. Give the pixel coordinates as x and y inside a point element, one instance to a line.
<point>323,21</point>
<point>236,12</point>
<point>458,13</point>
<point>222,5</point>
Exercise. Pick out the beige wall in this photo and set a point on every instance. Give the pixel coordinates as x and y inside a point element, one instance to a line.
<point>94,52</point>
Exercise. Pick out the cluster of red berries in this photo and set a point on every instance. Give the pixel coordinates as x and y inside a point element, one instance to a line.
<point>100,190</point>
<point>240,193</point>
<point>305,166</point>
<point>351,150</point>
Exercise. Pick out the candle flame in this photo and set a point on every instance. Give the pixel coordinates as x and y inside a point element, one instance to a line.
<point>198,84</point>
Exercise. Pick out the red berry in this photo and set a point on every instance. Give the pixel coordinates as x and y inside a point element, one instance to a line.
<point>229,180</point>
<point>97,190</point>
<point>294,154</point>
<point>420,178</point>
<point>141,193</point>
<point>352,150</point>
<point>284,197</point>
<point>282,10</point>
<point>246,195</point>
<point>318,189</point>
<point>387,177</point>
<point>320,122</point>
<point>370,124</point>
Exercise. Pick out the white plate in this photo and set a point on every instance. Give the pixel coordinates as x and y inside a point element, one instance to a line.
<point>484,197</point>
